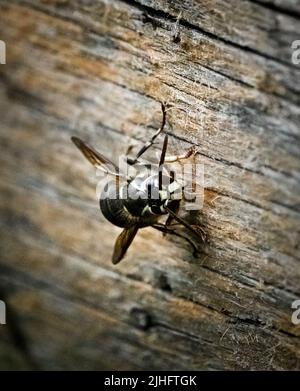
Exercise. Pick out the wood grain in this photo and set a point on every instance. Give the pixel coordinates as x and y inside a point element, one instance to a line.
<point>99,70</point>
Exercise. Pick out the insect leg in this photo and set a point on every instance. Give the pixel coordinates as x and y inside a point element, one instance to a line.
<point>190,152</point>
<point>151,141</point>
<point>199,233</point>
<point>171,218</point>
<point>197,228</point>
<point>165,230</point>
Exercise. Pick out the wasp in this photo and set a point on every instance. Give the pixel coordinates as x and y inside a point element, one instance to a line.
<point>148,198</point>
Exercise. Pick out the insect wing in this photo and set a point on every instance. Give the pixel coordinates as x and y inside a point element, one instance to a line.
<point>95,157</point>
<point>123,242</point>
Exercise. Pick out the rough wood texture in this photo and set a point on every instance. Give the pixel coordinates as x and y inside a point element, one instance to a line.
<point>98,69</point>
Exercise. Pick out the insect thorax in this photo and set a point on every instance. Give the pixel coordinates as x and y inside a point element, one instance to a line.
<point>139,202</point>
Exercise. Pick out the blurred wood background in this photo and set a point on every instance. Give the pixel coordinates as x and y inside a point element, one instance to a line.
<point>98,70</point>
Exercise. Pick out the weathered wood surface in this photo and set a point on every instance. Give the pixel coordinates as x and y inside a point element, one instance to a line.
<point>98,69</point>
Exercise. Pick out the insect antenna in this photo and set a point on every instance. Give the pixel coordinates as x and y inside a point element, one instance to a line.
<point>161,161</point>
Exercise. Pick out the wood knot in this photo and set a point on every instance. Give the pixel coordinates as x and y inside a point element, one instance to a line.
<point>162,282</point>
<point>140,318</point>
